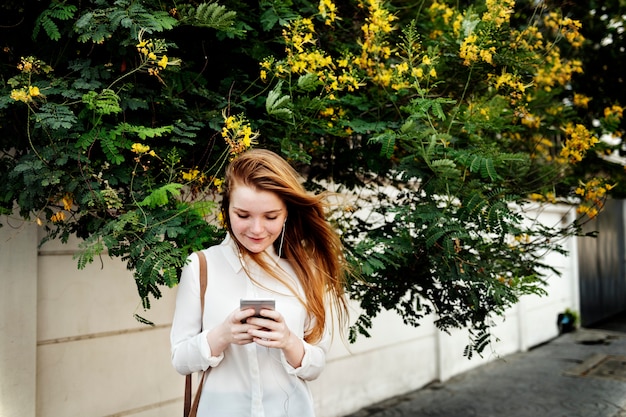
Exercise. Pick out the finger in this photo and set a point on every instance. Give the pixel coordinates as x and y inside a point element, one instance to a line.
<point>263,323</point>
<point>244,315</point>
<point>271,314</point>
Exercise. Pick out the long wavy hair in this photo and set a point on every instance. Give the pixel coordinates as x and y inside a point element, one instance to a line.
<point>310,244</point>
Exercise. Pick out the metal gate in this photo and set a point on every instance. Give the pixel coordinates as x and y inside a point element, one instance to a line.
<point>601,265</point>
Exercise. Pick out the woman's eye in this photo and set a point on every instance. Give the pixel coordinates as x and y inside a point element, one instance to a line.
<point>242,216</point>
<point>271,218</point>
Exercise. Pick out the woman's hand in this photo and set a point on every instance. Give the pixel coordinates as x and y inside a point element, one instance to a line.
<point>272,331</point>
<point>234,330</point>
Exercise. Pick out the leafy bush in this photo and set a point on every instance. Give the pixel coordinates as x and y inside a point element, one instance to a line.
<point>436,124</point>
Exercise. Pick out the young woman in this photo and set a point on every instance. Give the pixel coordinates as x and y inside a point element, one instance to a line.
<point>279,246</point>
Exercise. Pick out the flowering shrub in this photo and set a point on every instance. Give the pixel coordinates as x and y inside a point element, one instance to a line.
<point>437,123</point>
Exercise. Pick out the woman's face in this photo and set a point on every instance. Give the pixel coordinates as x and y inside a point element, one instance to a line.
<point>256,217</point>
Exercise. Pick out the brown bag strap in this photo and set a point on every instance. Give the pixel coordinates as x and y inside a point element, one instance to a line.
<point>189,410</point>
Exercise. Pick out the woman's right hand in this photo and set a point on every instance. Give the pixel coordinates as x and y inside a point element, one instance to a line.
<point>234,330</point>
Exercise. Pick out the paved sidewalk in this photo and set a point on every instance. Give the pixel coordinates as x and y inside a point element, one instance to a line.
<point>579,374</point>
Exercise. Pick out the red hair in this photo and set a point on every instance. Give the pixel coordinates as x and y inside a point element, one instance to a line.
<point>311,245</point>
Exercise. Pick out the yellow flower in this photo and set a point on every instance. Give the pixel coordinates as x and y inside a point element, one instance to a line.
<point>162,62</point>
<point>247,136</point>
<point>417,72</point>
<point>191,175</point>
<point>579,141</point>
<point>614,110</point>
<point>33,91</point>
<point>57,217</point>
<point>237,133</point>
<point>20,95</point>
<point>327,10</point>
<point>328,111</point>
<point>218,184</point>
<point>593,196</point>
<point>67,201</point>
<point>469,51</point>
<point>581,100</point>
<point>487,55</point>
<point>402,67</point>
<point>230,122</point>
<point>139,148</point>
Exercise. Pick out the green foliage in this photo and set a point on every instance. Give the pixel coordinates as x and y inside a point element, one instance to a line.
<point>211,15</point>
<point>161,196</point>
<point>278,105</point>
<point>103,103</point>
<point>438,135</point>
<point>57,11</point>
<point>103,20</point>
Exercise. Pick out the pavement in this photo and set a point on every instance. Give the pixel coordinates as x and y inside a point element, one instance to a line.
<point>577,374</point>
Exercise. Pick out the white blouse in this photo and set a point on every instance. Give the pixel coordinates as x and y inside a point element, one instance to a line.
<point>248,380</point>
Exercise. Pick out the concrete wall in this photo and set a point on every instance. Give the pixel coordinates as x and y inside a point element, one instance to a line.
<point>70,346</point>
<point>18,319</point>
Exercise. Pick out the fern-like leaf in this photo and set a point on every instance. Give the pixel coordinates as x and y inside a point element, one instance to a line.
<point>111,149</point>
<point>210,14</point>
<point>160,196</point>
<point>57,10</point>
<point>278,105</point>
<point>488,170</point>
<point>51,28</point>
<point>387,141</point>
<point>105,102</point>
<point>143,131</point>
<point>444,167</point>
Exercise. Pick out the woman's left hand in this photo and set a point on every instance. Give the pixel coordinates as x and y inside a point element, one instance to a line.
<point>274,333</point>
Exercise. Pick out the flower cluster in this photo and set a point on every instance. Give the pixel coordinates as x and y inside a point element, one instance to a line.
<point>67,201</point>
<point>238,134</point>
<point>498,11</point>
<point>565,27</point>
<point>32,65</point>
<point>581,100</point>
<point>614,112</point>
<point>28,66</point>
<point>556,71</point>
<point>152,53</point>
<point>25,94</point>
<point>579,141</point>
<point>472,52</point>
<point>140,148</point>
<point>328,10</point>
<point>375,47</point>
<point>593,194</point>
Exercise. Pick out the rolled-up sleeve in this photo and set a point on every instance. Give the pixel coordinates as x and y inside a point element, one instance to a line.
<point>190,349</point>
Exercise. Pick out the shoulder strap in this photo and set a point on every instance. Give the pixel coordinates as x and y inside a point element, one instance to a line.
<point>203,282</point>
<point>188,411</point>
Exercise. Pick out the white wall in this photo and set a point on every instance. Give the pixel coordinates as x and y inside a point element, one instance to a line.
<point>18,319</point>
<point>70,346</point>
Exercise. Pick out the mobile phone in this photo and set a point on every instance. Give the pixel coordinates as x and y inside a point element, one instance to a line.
<point>257,304</point>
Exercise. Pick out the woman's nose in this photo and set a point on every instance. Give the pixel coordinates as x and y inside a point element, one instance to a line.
<point>257,226</point>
